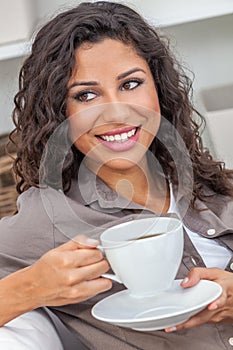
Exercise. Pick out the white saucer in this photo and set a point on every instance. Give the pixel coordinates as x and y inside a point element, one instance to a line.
<point>166,309</point>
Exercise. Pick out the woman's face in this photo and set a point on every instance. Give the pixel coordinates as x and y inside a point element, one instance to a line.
<point>112,104</point>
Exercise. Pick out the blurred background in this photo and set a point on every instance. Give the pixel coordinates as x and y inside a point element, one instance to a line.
<point>201,34</point>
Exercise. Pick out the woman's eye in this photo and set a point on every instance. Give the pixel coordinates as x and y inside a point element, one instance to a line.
<point>131,84</point>
<point>85,96</point>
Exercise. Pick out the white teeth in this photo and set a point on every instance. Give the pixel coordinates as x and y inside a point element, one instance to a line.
<point>124,136</point>
<point>119,137</point>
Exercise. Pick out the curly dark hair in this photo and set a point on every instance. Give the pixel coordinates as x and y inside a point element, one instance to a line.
<point>40,104</point>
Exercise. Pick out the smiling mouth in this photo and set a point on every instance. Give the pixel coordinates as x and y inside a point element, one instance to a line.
<point>118,137</point>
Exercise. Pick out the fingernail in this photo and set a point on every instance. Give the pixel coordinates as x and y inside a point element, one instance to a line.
<point>171,329</point>
<point>213,307</point>
<point>92,241</point>
<point>185,280</point>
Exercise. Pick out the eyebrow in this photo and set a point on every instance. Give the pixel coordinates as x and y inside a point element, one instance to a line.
<point>131,71</point>
<point>95,83</point>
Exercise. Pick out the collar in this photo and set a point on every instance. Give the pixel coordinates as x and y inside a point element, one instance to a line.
<point>91,191</point>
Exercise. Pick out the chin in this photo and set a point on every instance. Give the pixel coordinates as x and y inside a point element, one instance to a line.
<point>116,162</point>
<point>120,164</point>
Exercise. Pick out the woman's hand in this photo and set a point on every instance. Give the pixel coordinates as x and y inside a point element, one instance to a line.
<point>68,274</point>
<point>220,310</point>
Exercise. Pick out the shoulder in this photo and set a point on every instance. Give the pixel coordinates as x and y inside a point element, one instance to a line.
<point>27,235</point>
<point>32,204</point>
<point>33,217</point>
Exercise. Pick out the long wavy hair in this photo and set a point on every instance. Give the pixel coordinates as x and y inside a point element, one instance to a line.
<point>40,104</point>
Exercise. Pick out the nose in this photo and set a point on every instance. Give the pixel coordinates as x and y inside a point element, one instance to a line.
<point>115,110</point>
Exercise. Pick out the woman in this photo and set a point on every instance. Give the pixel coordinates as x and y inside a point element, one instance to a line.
<point>103,77</point>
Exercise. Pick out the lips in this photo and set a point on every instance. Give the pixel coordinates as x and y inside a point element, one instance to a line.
<point>121,135</point>
<point>121,139</point>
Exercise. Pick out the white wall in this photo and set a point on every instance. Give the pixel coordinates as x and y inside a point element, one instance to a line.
<point>8,87</point>
<point>205,46</point>
<point>46,9</point>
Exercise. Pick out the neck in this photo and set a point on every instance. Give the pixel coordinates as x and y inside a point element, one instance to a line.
<point>136,184</point>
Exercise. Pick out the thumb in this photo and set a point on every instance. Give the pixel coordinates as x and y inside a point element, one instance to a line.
<point>198,273</point>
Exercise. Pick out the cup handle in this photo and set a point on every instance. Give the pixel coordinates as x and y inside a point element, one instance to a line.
<point>109,275</point>
<point>112,277</point>
<point>101,249</point>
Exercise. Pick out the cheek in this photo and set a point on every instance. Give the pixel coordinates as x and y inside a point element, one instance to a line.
<point>82,144</point>
<point>148,133</point>
<point>151,127</point>
<point>78,131</point>
<point>149,99</point>
<point>81,122</point>
<point>153,101</point>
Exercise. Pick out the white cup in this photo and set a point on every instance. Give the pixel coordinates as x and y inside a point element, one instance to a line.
<point>145,254</point>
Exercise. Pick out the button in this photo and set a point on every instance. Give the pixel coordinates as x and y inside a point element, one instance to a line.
<point>211,232</point>
<point>230,341</point>
<point>193,260</point>
<point>231,266</point>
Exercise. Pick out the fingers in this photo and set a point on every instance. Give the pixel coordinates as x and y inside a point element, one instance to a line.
<point>218,303</point>
<point>64,263</point>
<point>59,281</point>
<point>80,265</point>
<point>198,273</point>
<point>79,242</point>
<point>220,310</point>
<point>84,291</point>
<point>87,273</point>
<point>96,286</point>
<point>80,257</point>
<point>197,320</point>
<point>84,283</point>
